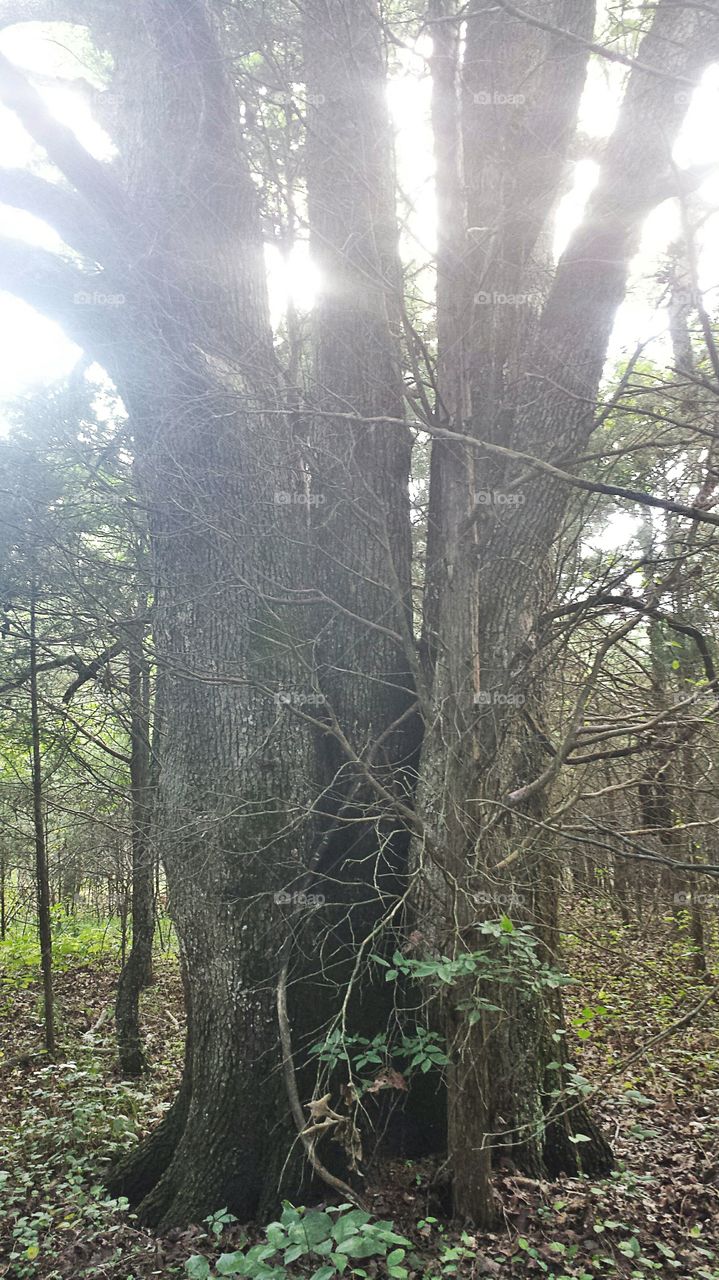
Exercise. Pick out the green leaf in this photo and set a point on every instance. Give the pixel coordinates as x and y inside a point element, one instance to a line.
<point>228,1264</point>
<point>312,1228</point>
<point>276,1235</point>
<point>349,1224</point>
<point>259,1253</point>
<point>197,1267</point>
<point>359,1247</point>
<point>323,1273</point>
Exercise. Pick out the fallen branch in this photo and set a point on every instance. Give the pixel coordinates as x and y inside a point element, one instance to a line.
<point>298,1116</point>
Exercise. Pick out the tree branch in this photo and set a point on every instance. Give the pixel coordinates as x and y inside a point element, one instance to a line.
<point>518,455</point>
<point>57,205</point>
<point>16,11</point>
<point>611,55</point>
<point>87,174</point>
<point>89,670</point>
<point>78,302</point>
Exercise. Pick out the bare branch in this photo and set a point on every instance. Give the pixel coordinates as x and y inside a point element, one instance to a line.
<point>89,670</point>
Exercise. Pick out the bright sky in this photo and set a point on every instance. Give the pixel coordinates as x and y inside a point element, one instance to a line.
<point>34,350</point>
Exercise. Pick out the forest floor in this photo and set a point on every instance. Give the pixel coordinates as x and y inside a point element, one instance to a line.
<point>645,1037</point>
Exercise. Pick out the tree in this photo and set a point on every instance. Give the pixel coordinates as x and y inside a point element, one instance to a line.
<point>68,573</point>
<point>288,745</point>
<point>178,316</point>
<point>137,970</point>
<point>534,344</point>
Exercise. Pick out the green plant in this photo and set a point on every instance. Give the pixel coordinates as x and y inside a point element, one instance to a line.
<point>75,940</point>
<point>218,1221</point>
<point>509,958</point>
<point>50,1183</point>
<point>419,1051</point>
<point>334,1238</point>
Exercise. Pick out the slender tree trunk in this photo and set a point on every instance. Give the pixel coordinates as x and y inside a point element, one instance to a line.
<point>137,970</point>
<point>42,879</point>
<point>3,904</point>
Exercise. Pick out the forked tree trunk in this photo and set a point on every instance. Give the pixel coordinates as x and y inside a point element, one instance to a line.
<point>535,344</point>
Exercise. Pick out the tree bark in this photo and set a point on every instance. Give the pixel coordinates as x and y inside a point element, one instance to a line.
<point>137,971</point>
<point>42,878</point>
<point>365,653</point>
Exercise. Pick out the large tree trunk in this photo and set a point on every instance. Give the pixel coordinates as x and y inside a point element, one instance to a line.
<point>360,513</point>
<point>534,364</point>
<point>189,345</point>
<point>360,470</point>
<point>234,818</point>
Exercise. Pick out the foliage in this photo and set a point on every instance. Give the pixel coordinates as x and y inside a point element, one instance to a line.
<point>51,1164</point>
<point>419,1051</point>
<point>511,957</point>
<point>75,940</point>
<point>336,1238</point>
